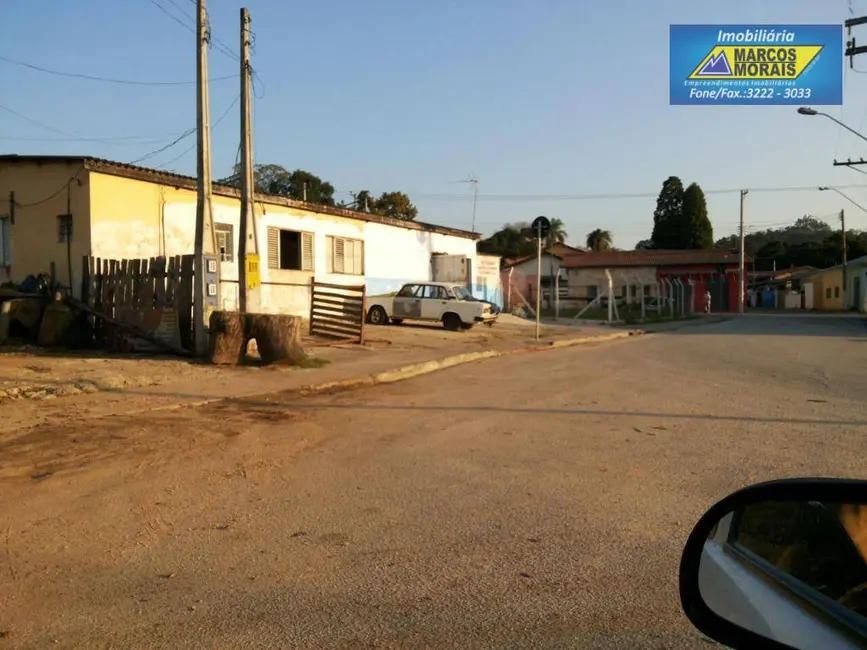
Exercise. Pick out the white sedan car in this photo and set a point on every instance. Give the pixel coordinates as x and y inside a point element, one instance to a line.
<point>451,304</point>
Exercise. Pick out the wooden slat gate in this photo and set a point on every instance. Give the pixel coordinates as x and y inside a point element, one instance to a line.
<point>337,311</point>
<point>114,287</point>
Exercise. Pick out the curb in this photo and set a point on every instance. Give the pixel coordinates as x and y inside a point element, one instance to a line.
<point>395,375</point>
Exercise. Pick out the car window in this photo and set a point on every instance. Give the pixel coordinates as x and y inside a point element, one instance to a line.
<point>462,294</point>
<point>807,542</point>
<point>409,290</point>
<point>435,292</point>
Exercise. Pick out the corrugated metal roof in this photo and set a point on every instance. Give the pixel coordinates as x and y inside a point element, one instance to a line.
<point>101,165</point>
<point>649,258</point>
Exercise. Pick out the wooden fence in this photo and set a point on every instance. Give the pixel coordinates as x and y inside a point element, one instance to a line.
<point>114,288</point>
<point>337,311</point>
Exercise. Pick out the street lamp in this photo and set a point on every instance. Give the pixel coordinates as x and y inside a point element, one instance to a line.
<point>824,188</point>
<point>804,110</point>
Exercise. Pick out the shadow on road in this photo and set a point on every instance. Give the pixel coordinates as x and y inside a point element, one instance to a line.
<point>298,406</point>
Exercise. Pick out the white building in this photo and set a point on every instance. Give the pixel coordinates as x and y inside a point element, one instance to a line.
<point>118,211</point>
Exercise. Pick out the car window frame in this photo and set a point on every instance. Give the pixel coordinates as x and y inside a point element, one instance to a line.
<point>838,615</point>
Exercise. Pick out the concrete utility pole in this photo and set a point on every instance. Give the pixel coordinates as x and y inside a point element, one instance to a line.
<point>248,243</point>
<point>845,262</point>
<point>205,243</point>
<point>741,257</point>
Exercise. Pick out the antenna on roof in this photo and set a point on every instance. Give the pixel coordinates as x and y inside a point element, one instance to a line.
<point>475,183</point>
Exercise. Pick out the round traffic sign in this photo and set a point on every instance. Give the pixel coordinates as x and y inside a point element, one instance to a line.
<point>541,227</point>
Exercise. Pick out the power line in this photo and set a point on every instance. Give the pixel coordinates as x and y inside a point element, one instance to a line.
<point>88,77</point>
<point>153,153</point>
<point>73,137</point>
<point>213,40</point>
<point>610,196</point>
<point>126,141</point>
<point>222,116</point>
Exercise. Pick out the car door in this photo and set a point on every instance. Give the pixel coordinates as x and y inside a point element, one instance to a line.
<point>435,300</point>
<point>407,302</point>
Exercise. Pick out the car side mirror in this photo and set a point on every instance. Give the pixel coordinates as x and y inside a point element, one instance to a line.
<point>781,565</point>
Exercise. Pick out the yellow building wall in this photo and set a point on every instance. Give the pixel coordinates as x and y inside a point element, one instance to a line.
<point>137,219</point>
<point>41,195</point>
<point>828,290</point>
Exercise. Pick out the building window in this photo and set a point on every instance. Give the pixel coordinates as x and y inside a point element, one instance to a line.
<point>225,235</point>
<point>64,228</point>
<point>592,292</point>
<point>836,292</point>
<point>290,250</point>
<point>828,292</point>
<point>5,241</point>
<point>345,255</point>
<point>647,289</point>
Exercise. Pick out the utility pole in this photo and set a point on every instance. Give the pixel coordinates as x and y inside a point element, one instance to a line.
<point>741,257</point>
<point>205,243</point>
<point>248,240</point>
<point>845,262</point>
<point>475,183</point>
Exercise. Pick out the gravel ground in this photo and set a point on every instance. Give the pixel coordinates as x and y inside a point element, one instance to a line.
<point>524,502</point>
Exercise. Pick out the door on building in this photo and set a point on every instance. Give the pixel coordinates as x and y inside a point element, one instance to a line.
<point>434,302</point>
<point>450,268</point>
<point>407,302</point>
<point>719,293</point>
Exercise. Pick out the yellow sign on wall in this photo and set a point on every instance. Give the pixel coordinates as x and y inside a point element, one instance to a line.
<point>253,279</point>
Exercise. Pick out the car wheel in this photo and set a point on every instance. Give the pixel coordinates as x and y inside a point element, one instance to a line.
<point>377,316</point>
<point>397,321</point>
<point>452,322</point>
<point>467,326</point>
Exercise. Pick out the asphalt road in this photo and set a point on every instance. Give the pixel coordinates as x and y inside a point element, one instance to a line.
<point>535,501</point>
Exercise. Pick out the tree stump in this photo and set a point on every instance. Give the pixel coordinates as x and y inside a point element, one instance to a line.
<point>228,338</point>
<point>278,337</point>
<point>56,321</point>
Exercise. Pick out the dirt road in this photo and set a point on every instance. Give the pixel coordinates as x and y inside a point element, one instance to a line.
<point>529,501</point>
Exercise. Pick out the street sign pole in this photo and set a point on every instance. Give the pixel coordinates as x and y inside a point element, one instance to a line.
<point>541,226</point>
<point>538,276</point>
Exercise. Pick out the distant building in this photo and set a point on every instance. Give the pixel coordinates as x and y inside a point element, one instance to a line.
<point>704,270</point>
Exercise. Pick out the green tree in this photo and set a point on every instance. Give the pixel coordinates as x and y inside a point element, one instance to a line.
<point>668,216</point>
<point>644,245</point>
<point>599,240</point>
<point>697,231</point>
<point>557,234</point>
<point>277,180</point>
<point>395,205</point>
<point>363,201</point>
<point>511,241</point>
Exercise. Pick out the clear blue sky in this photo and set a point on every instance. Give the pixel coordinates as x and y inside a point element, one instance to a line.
<point>551,98</point>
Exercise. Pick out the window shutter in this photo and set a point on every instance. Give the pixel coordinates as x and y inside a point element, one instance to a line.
<point>339,255</point>
<point>5,241</point>
<point>306,251</point>
<point>273,248</point>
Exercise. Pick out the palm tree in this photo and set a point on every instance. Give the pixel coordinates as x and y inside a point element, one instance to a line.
<point>600,240</point>
<point>557,233</point>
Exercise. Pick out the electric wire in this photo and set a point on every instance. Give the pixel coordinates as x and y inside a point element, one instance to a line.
<point>88,77</point>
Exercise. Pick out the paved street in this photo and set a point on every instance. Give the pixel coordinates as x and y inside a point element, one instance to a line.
<point>537,500</point>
